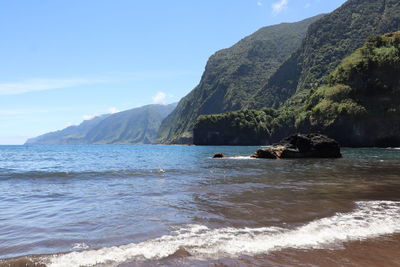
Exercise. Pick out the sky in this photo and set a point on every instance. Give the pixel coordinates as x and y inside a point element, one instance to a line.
<point>65,61</point>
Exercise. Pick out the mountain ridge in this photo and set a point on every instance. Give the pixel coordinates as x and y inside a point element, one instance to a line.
<point>233,75</point>
<point>328,40</point>
<point>359,106</point>
<point>134,126</point>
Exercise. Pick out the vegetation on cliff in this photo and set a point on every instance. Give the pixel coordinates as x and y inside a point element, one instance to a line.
<point>328,41</point>
<point>134,126</point>
<point>253,82</point>
<point>359,105</point>
<point>232,77</point>
<point>244,127</point>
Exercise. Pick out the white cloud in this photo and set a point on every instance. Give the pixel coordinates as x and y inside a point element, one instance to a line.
<point>159,98</point>
<point>259,3</point>
<point>32,85</point>
<point>308,5</point>
<point>68,124</point>
<point>42,84</point>
<point>88,117</point>
<point>279,6</point>
<point>113,110</point>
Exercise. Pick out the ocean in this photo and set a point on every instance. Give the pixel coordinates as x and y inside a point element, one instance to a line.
<point>117,205</point>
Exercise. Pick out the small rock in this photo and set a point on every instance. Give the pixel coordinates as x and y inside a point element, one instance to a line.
<point>219,156</point>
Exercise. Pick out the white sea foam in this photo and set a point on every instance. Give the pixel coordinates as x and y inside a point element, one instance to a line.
<point>80,246</point>
<point>240,157</point>
<point>368,220</point>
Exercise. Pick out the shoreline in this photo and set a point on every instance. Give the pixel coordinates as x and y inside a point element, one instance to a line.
<point>370,222</point>
<point>379,251</point>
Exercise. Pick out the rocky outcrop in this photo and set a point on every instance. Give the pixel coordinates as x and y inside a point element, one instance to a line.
<point>301,146</point>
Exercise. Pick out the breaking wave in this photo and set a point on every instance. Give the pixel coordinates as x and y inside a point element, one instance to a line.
<point>368,220</point>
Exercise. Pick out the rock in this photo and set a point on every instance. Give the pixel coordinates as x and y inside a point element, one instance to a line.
<point>264,154</point>
<point>218,156</point>
<point>301,146</point>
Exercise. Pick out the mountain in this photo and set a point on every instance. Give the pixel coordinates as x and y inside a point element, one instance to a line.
<point>70,135</point>
<point>359,106</point>
<point>135,126</point>
<point>328,41</point>
<point>232,76</point>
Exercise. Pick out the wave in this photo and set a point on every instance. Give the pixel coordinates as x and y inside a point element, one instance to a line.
<point>370,219</point>
<point>236,157</point>
<point>240,157</point>
<point>83,174</point>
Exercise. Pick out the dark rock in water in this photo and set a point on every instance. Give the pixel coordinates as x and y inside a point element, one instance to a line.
<point>301,146</point>
<point>264,154</point>
<point>219,156</point>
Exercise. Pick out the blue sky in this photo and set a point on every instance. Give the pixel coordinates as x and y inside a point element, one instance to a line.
<point>63,61</point>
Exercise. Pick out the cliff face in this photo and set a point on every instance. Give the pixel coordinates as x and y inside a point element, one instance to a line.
<point>135,126</point>
<point>69,135</point>
<point>328,41</point>
<point>259,79</point>
<point>359,105</point>
<point>244,127</point>
<point>232,77</point>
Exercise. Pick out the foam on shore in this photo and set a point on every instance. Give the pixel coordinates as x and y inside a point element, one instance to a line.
<point>369,219</point>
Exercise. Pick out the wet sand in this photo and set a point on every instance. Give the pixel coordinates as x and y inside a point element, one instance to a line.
<point>380,252</point>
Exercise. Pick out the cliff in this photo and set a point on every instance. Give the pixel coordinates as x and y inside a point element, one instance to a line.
<point>134,126</point>
<point>232,76</point>
<point>358,105</point>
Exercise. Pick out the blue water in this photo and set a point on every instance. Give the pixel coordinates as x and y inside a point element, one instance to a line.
<point>73,198</point>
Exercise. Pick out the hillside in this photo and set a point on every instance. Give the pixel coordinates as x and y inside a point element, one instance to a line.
<point>70,135</point>
<point>328,41</point>
<point>359,105</point>
<point>242,127</point>
<point>232,76</point>
<point>135,126</point>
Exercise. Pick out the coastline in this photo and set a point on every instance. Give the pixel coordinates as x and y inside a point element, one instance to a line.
<point>382,252</point>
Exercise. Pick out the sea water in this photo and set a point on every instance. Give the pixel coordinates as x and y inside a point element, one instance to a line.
<point>137,205</point>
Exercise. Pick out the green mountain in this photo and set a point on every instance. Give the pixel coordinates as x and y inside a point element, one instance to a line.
<point>70,135</point>
<point>328,41</point>
<point>359,105</point>
<point>232,76</point>
<point>135,126</point>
